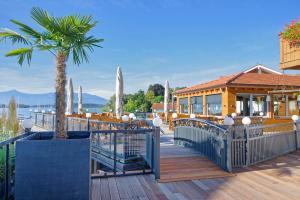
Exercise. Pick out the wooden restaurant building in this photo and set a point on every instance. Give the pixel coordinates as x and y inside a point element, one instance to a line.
<point>258,91</point>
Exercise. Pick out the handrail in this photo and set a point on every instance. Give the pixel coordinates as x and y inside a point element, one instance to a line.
<point>202,121</point>
<point>11,140</point>
<point>269,125</point>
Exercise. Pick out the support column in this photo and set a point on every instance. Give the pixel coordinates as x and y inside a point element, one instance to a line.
<point>286,105</point>
<point>251,105</point>
<point>189,104</point>
<point>204,107</point>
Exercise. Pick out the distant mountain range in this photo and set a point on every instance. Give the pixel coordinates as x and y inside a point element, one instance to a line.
<point>45,98</point>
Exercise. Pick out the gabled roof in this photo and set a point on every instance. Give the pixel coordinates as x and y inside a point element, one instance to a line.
<point>261,68</point>
<point>258,75</point>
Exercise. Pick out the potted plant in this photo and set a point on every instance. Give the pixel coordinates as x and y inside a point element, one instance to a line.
<point>53,165</point>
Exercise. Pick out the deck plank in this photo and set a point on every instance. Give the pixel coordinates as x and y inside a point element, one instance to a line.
<point>275,179</point>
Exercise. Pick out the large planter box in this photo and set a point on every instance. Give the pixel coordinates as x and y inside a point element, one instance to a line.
<point>289,56</point>
<point>53,169</point>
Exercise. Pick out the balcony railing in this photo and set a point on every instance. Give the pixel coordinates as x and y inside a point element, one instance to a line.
<point>7,166</point>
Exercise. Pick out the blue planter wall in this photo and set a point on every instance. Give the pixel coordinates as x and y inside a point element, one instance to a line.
<point>52,169</point>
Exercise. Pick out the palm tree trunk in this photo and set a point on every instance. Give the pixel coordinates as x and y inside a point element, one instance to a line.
<point>60,105</point>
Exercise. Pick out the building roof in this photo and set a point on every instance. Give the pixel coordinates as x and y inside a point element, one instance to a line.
<point>258,75</point>
<point>160,106</point>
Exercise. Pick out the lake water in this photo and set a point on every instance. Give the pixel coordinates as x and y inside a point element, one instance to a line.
<point>25,112</point>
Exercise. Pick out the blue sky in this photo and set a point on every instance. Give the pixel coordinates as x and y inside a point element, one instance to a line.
<point>183,41</point>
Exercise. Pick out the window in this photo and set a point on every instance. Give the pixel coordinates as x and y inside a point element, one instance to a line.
<point>214,104</point>
<point>197,105</point>
<point>183,105</point>
<point>259,104</point>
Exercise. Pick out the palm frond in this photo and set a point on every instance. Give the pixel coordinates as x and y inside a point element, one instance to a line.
<point>22,53</point>
<point>7,34</point>
<point>27,29</point>
<point>41,17</point>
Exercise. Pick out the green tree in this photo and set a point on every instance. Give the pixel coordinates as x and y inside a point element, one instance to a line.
<point>158,89</point>
<point>110,105</point>
<point>3,119</point>
<point>149,96</point>
<point>158,99</point>
<point>12,123</point>
<point>65,38</point>
<point>131,105</point>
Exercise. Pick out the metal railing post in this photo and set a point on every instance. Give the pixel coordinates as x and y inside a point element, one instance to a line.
<point>43,120</point>
<point>115,153</point>
<point>88,124</point>
<point>53,122</point>
<point>67,124</point>
<point>247,150</point>
<point>228,150</point>
<point>296,134</point>
<point>156,156</point>
<point>7,172</point>
<point>35,118</point>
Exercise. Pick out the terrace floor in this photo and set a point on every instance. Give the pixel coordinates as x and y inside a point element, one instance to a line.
<point>180,164</point>
<point>275,179</point>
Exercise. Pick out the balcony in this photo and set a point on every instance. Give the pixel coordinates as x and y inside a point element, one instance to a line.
<point>289,56</point>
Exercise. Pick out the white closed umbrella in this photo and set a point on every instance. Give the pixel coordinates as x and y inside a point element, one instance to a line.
<point>70,94</point>
<point>166,99</point>
<point>119,93</point>
<point>80,100</point>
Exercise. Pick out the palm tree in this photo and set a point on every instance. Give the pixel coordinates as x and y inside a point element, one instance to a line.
<point>65,38</point>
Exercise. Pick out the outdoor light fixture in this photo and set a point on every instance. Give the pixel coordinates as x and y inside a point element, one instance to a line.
<point>157,122</point>
<point>261,114</point>
<point>246,120</point>
<point>131,115</point>
<point>268,99</point>
<point>192,116</point>
<point>233,115</point>
<point>27,125</point>
<point>88,115</point>
<point>125,118</point>
<point>228,121</point>
<point>295,118</point>
<point>174,115</point>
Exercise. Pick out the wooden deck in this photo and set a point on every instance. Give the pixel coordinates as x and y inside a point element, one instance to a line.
<point>275,179</point>
<point>180,164</point>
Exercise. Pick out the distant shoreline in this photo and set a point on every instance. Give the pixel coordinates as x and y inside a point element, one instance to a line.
<point>88,105</point>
